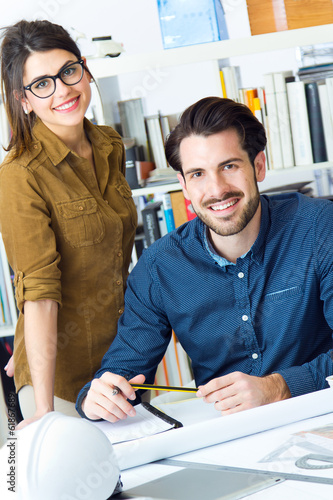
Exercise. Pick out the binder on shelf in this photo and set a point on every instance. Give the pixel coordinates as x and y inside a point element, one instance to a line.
<point>299,121</point>
<point>191,22</point>
<point>150,219</point>
<point>273,122</point>
<point>315,122</point>
<point>327,119</point>
<point>131,152</point>
<point>268,16</point>
<point>283,116</point>
<point>304,13</point>
<point>133,123</point>
<point>232,81</point>
<point>167,205</point>
<point>178,207</point>
<point>156,143</point>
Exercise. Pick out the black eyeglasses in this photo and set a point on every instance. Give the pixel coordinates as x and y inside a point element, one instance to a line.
<point>46,86</point>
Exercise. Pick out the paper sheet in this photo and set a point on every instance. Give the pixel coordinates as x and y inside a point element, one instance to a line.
<point>143,424</point>
<point>219,430</point>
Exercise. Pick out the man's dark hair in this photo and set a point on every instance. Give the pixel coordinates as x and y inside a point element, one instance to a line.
<point>212,115</point>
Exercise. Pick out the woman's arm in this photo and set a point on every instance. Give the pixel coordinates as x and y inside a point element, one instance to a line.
<point>40,334</point>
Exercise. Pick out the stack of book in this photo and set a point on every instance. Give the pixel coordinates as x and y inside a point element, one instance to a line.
<point>296,113</point>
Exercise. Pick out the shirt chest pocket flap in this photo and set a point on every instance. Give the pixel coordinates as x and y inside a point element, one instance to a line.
<point>81,222</point>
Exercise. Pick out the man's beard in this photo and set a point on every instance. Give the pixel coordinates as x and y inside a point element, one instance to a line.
<point>224,227</point>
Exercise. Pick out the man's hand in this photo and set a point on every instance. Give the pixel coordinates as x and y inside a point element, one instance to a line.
<point>237,391</point>
<point>103,401</point>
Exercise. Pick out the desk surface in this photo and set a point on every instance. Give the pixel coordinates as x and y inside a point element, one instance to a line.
<point>246,453</point>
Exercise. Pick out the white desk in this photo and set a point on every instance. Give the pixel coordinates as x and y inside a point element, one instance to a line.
<point>246,452</point>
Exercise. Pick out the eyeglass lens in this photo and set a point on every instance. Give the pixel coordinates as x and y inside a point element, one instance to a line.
<point>70,75</point>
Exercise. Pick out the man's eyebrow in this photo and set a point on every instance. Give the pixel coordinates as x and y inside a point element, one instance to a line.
<point>221,164</point>
<point>230,160</point>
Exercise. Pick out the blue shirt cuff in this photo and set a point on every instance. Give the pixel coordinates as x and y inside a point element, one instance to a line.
<point>298,379</point>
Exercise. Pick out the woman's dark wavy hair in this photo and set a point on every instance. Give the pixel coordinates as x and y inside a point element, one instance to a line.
<point>19,42</point>
<point>212,115</point>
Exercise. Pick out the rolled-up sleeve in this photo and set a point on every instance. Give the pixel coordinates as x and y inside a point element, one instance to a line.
<point>25,224</point>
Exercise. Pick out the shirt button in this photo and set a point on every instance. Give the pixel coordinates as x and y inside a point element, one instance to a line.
<point>245,317</point>
<point>118,282</point>
<point>121,311</point>
<point>254,355</point>
<point>119,254</point>
<point>81,207</point>
<point>35,146</point>
<point>240,275</point>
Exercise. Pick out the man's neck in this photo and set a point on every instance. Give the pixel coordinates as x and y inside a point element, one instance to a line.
<point>233,247</point>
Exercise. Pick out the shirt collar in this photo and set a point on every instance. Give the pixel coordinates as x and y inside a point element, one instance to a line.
<point>256,251</point>
<point>54,147</point>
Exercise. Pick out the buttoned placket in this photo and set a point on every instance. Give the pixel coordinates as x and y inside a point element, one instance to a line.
<point>242,298</point>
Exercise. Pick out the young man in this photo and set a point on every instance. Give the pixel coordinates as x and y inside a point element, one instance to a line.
<point>247,286</point>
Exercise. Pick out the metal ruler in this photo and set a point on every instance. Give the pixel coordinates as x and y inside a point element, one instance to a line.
<point>283,475</point>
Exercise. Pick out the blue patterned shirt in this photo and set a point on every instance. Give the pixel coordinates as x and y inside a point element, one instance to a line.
<point>272,311</point>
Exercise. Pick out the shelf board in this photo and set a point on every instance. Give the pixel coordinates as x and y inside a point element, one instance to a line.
<point>105,67</point>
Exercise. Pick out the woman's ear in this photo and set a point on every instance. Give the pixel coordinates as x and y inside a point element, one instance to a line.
<point>24,102</point>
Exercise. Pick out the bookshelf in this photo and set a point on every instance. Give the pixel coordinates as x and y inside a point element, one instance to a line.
<point>107,70</point>
<point>7,294</point>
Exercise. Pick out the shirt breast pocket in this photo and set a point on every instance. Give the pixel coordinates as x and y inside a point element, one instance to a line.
<point>286,293</point>
<point>81,222</point>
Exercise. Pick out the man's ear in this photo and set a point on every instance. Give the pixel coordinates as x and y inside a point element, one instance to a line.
<point>183,185</point>
<point>260,166</point>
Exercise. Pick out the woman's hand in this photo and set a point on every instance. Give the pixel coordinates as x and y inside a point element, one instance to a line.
<point>9,368</point>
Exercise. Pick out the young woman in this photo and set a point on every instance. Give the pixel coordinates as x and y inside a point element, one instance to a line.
<point>67,218</point>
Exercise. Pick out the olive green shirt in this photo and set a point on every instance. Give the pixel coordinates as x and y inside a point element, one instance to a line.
<point>68,232</point>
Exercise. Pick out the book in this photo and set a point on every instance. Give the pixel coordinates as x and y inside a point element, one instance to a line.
<point>178,207</point>
<point>147,422</point>
<point>304,13</point>
<point>133,123</point>
<point>156,144</point>
<point>190,213</point>
<point>167,206</point>
<point>315,122</point>
<point>165,126</point>
<point>283,117</point>
<point>191,22</point>
<point>266,16</point>
<point>232,80</point>
<point>150,222</point>
<point>299,121</point>
<point>224,91</point>
<point>273,122</point>
<point>250,95</point>
<point>131,156</point>
<point>327,119</point>
<point>162,220</point>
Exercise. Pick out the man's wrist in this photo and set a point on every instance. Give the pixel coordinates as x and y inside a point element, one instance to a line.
<point>278,388</point>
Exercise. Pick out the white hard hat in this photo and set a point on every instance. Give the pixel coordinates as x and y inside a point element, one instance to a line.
<point>63,458</point>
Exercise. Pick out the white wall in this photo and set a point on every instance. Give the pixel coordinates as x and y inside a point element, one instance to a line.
<point>135,23</point>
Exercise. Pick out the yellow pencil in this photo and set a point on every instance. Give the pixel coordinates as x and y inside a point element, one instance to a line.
<point>151,387</point>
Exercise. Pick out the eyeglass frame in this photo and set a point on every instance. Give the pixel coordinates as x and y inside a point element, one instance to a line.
<point>55,77</point>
